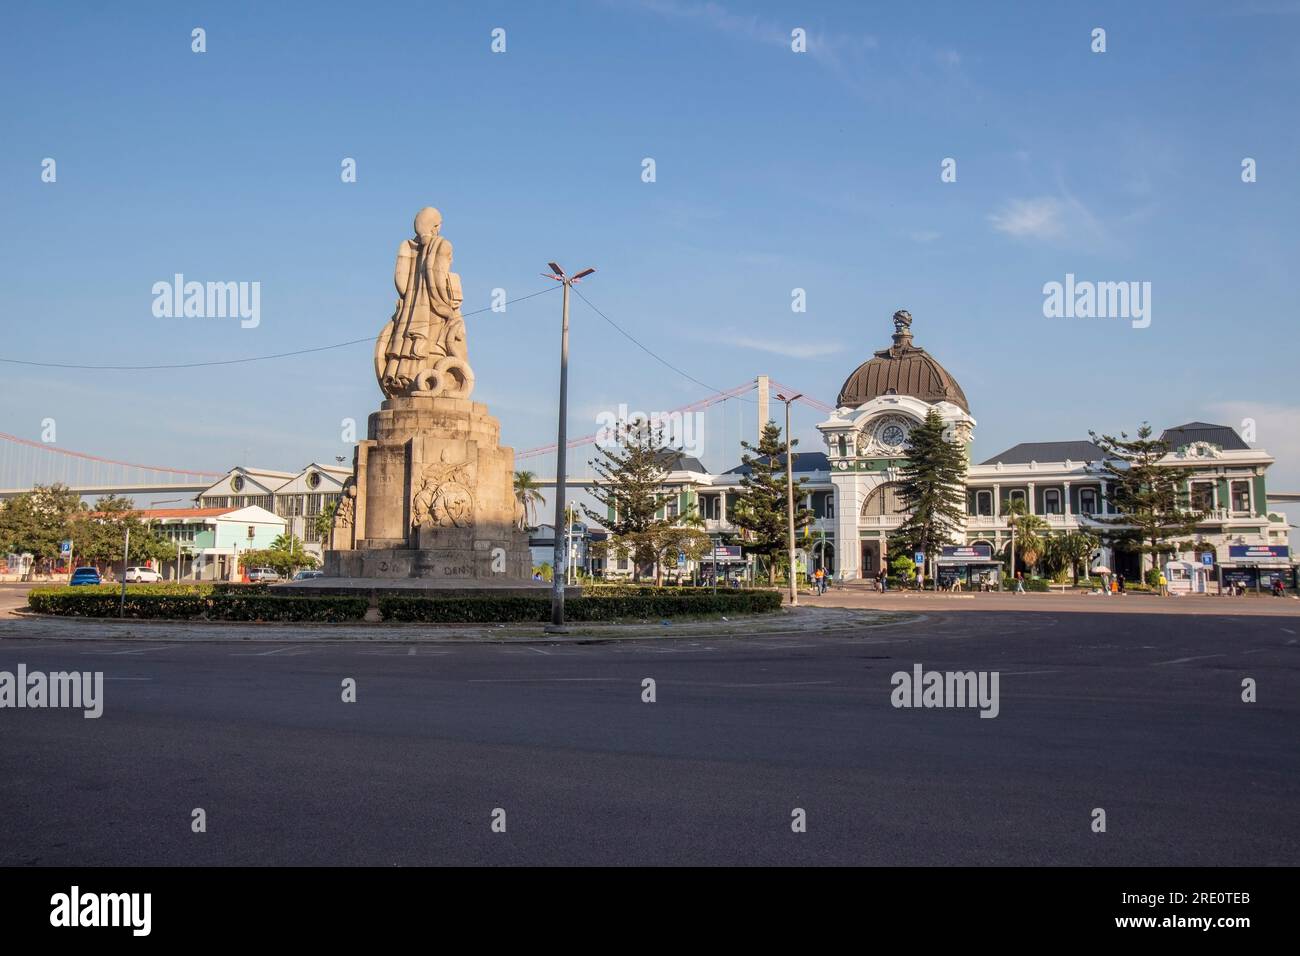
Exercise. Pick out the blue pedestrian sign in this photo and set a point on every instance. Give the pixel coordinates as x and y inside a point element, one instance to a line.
<point>920,557</point>
<point>681,559</point>
<point>1207,560</point>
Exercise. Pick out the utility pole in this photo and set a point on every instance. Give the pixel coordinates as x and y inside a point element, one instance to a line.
<point>789,495</point>
<point>559,563</point>
<point>1012,521</point>
<point>126,559</point>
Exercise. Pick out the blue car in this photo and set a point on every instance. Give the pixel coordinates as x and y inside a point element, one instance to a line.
<point>84,576</point>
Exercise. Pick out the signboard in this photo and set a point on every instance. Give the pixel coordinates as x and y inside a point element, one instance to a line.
<point>971,552</point>
<point>1207,560</point>
<point>919,557</point>
<point>948,575</point>
<point>65,548</point>
<point>1244,577</point>
<point>1259,552</point>
<point>681,559</point>
<point>727,552</point>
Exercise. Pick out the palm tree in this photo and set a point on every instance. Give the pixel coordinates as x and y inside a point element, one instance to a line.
<point>1025,528</point>
<point>527,493</point>
<point>1075,548</point>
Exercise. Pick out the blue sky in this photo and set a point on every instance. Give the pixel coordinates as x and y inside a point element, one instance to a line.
<point>774,171</point>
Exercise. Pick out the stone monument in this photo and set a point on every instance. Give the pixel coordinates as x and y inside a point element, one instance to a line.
<point>432,490</point>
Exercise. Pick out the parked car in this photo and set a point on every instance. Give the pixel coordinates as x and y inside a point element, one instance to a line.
<point>263,575</point>
<point>85,576</point>
<point>142,576</point>
<point>304,575</point>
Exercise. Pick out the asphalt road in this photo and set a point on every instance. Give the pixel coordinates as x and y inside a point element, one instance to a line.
<point>1140,715</point>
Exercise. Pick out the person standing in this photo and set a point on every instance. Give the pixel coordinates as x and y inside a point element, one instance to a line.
<point>1020,582</point>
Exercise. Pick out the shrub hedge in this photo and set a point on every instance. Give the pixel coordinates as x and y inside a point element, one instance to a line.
<point>244,605</point>
<point>589,607</point>
<point>88,602</point>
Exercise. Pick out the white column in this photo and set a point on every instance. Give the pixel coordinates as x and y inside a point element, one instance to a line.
<point>848,543</point>
<point>1066,504</point>
<point>1029,499</point>
<point>997,501</point>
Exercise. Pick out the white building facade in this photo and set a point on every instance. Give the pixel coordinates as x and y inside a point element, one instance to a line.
<point>851,487</point>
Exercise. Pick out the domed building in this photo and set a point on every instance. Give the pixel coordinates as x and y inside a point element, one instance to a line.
<point>852,489</point>
<point>878,405</point>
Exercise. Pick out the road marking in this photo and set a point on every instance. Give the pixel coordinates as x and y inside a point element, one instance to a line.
<point>411,652</point>
<point>1184,660</point>
<point>1288,630</point>
<point>278,650</point>
<point>538,650</point>
<point>136,650</point>
<point>534,680</point>
<point>793,683</point>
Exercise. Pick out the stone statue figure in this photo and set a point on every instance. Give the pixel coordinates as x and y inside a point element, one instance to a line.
<point>422,349</point>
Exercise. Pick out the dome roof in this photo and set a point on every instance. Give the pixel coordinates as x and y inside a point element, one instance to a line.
<point>902,369</point>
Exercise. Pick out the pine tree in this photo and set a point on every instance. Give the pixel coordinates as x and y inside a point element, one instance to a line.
<point>760,508</point>
<point>631,474</point>
<point>932,488</point>
<point>1146,494</point>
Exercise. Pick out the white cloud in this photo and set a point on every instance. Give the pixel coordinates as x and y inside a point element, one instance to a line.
<point>1040,218</point>
<point>791,349</point>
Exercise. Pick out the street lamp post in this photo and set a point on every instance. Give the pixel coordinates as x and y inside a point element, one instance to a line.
<point>789,495</point>
<point>126,559</point>
<point>559,562</point>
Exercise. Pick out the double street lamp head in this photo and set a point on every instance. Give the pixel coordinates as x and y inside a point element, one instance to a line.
<point>558,274</point>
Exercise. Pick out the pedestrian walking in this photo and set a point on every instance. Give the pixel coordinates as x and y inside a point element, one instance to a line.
<point>1020,582</point>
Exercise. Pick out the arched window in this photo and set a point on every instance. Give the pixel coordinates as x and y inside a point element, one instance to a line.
<point>1052,501</point>
<point>883,501</point>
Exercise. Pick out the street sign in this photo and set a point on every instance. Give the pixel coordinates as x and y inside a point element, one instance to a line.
<point>1207,559</point>
<point>681,559</point>
<point>919,557</point>
<point>65,548</point>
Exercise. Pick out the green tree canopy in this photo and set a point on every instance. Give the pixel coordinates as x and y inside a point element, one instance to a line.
<point>760,508</point>
<point>1147,495</point>
<point>932,488</point>
<point>529,495</point>
<point>37,521</point>
<point>631,472</point>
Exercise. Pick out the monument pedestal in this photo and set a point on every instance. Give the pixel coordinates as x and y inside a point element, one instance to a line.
<point>431,497</point>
